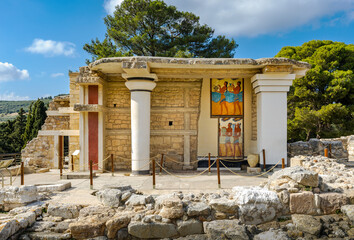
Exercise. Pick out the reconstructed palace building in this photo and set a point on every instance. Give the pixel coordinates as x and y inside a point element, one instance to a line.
<point>138,107</point>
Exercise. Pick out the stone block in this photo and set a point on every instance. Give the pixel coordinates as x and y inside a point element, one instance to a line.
<point>66,211</point>
<point>307,224</point>
<point>225,229</point>
<point>253,170</point>
<point>256,205</point>
<point>198,209</point>
<point>331,202</point>
<point>189,227</point>
<point>152,230</point>
<point>115,224</point>
<point>349,211</point>
<point>296,161</point>
<point>302,203</point>
<point>88,227</point>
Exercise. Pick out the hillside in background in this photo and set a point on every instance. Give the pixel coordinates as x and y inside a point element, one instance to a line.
<point>9,109</point>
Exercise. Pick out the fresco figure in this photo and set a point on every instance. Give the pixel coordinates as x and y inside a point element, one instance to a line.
<point>226,97</point>
<point>223,91</point>
<point>237,135</point>
<point>238,97</point>
<point>222,140</point>
<point>228,143</point>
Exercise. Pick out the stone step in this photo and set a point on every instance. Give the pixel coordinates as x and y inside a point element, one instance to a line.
<point>78,175</point>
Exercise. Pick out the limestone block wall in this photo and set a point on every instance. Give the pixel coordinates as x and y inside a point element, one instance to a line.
<point>56,123</point>
<point>39,152</point>
<point>60,101</point>
<point>174,119</point>
<point>316,147</point>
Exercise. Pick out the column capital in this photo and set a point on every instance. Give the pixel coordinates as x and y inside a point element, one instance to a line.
<point>276,82</point>
<point>142,85</point>
<point>139,75</point>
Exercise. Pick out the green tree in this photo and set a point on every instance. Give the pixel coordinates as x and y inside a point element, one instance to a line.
<point>153,28</point>
<point>35,120</point>
<point>321,103</point>
<point>18,131</point>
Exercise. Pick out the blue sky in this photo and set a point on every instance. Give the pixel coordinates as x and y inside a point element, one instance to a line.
<point>41,40</point>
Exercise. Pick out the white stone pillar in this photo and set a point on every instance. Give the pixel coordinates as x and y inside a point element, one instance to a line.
<point>140,123</point>
<point>271,90</point>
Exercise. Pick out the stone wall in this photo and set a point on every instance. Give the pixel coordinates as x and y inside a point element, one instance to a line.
<point>56,123</point>
<point>316,147</point>
<point>39,152</point>
<point>174,119</point>
<point>60,101</point>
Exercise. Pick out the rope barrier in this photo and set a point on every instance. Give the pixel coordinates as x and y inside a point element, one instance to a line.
<point>259,175</point>
<point>14,179</point>
<point>172,160</point>
<point>18,171</point>
<point>106,158</point>
<point>234,161</point>
<point>175,175</point>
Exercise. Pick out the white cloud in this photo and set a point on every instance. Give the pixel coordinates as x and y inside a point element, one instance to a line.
<point>54,75</point>
<point>12,97</point>
<point>9,72</point>
<point>256,17</point>
<point>51,48</point>
<point>110,5</point>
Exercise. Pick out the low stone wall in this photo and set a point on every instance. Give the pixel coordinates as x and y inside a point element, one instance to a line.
<point>340,147</point>
<point>298,202</point>
<point>39,152</point>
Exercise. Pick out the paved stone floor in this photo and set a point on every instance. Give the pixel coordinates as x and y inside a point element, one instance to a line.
<point>80,192</point>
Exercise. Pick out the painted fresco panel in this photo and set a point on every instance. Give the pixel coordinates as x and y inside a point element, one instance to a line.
<point>226,97</point>
<point>231,138</point>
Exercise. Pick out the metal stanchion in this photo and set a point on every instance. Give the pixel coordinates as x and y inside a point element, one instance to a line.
<point>330,150</point>
<point>91,175</point>
<point>61,167</point>
<point>326,152</point>
<point>22,173</point>
<point>218,169</point>
<point>264,160</point>
<point>282,163</point>
<point>161,164</point>
<point>153,173</point>
<point>209,164</point>
<point>72,163</point>
<point>112,164</point>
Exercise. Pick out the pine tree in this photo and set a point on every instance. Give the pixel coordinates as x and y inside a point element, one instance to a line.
<point>19,129</point>
<point>35,120</point>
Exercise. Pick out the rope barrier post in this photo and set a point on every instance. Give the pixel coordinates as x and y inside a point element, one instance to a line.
<point>282,163</point>
<point>61,167</point>
<point>112,164</point>
<point>91,176</point>
<point>218,168</point>
<point>330,150</point>
<point>72,163</point>
<point>326,152</point>
<point>161,164</point>
<point>264,160</point>
<point>153,173</point>
<point>209,164</point>
<point>22,173</point>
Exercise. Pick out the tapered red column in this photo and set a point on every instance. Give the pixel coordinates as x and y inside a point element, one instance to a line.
<point>140,123</point>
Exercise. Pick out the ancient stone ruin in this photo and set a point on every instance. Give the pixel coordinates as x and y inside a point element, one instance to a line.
<point>314,200</point>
